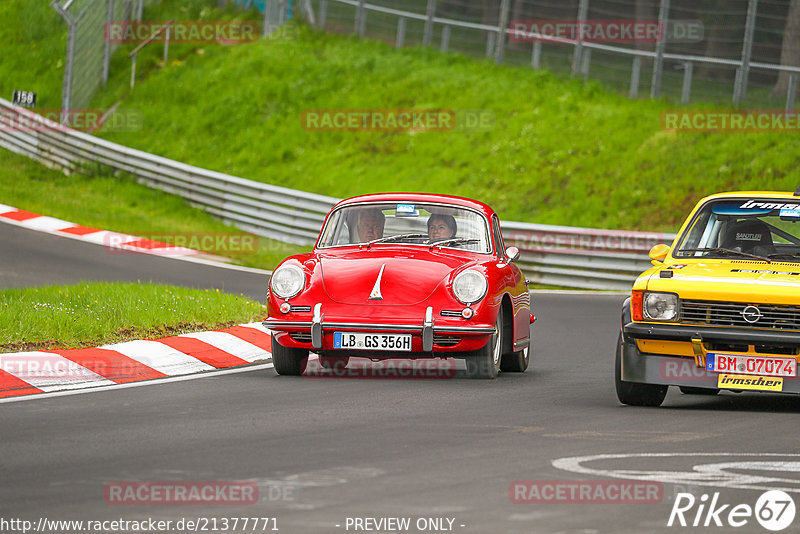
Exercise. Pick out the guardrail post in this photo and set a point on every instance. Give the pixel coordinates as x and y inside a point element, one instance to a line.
<point>502,25</point>
<point>490,43</point>
<point>323,13</point>
<point>536,56</point>
<point>360,15</point>
<point>636,72</point>
<point>400,40</point>
<point>427,36</point>
<point>792,92</point>
<point>445,38</point>
<point>583,11</point>
<point>740,89</point>
<point>686,90</point>
<point>658,63</point>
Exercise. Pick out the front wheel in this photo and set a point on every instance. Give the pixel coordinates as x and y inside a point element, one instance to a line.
<point>633,393</point>
<point>485,363</point>
<point>288,360</point>
<point>516,362</point>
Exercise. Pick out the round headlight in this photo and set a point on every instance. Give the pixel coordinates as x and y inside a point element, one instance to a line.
<point>661,306</point>
<point>287,281</point>
<point>469,286</point>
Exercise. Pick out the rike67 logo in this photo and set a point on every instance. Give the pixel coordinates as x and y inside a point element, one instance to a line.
<point>774,510</point>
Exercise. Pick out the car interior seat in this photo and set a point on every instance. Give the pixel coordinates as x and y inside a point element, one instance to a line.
<point>751,236</point>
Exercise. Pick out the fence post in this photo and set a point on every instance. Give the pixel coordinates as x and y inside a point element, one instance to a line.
<point>66,90</point>
<point>740,90</point>
<point>359,18</point>
<point>587,59</point>
<point>427,36</point>
<point>583,11</point>
<point>490,43</point>
<point>792,92</point>
<point>636,71</point>
<point>445,38</point>
<point>323,13</point>
<point>502,25</point>
<point>686,90</point>
<point>536,57</point>
<point>107,40</point>
<point>400,40</point>
<point>658,63</point>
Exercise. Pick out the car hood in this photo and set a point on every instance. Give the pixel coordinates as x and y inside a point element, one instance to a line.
<point>731,280</point>
<point>408,277</point>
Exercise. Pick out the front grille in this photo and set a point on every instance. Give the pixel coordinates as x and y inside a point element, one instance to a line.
<point>301,337</point>
<point>703,312</point>
<point>450,313</point>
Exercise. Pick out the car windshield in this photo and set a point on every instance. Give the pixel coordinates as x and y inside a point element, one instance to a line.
<point>759,229</point>
<point>432,225</point>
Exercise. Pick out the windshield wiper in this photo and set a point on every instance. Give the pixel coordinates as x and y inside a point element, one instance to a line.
<point>718,250</point>
<point>453,241</point>
<point>390,238</point>
<point>792,255</point>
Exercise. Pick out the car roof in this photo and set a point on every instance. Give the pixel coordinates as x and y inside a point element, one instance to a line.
<point>421,198</point>
<point>756,194</point>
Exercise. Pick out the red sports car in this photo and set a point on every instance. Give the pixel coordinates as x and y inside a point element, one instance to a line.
<point>403,275</point>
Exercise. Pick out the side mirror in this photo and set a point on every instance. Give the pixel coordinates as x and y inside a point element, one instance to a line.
<point>513,254</point>
<point>659,253</point>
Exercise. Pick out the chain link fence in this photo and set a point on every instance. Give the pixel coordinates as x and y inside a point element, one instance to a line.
<point>745,51</point>
<point>88,50</point>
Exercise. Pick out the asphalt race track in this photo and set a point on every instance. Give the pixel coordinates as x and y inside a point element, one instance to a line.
<point>329,455</point>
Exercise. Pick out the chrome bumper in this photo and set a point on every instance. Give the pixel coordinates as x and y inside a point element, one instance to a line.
<point>428,327</point>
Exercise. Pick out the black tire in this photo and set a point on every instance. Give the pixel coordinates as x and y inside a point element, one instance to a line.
<point>485,362</point>
<point>689,390</point>
<point>337,363</point>
<point>633,393</point>
<point>288,360</point>
<point>516,362</point>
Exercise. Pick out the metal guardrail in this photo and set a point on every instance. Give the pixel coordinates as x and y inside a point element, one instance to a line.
<point>553,255</point>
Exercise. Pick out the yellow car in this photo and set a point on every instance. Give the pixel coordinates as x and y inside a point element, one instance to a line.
<point>720,308</point>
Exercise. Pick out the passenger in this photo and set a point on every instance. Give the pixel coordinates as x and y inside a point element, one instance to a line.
<point>441,227</point>
<point>370,224</point>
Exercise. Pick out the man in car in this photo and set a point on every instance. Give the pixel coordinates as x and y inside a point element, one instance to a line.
<point>370,225</point>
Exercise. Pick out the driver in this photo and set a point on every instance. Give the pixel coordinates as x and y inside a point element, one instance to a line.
<point>441,227</point>
<point>370,224</point>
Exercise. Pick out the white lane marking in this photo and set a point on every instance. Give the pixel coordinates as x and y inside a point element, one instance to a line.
<point>50,372</point>
<point>47,224</point>
<point>108,239</point>
<point>154,382</point>
<point>160,357</point>
<point>704,474</point>
<point>232,344</point>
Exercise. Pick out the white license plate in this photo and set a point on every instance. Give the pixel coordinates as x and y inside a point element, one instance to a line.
<point>361,341</point>
<point>751,365</point>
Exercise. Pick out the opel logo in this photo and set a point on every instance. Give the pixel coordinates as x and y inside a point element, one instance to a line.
<point>751,314</point>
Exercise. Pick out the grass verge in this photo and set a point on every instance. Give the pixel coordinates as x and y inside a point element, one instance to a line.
<point>96,313</point>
